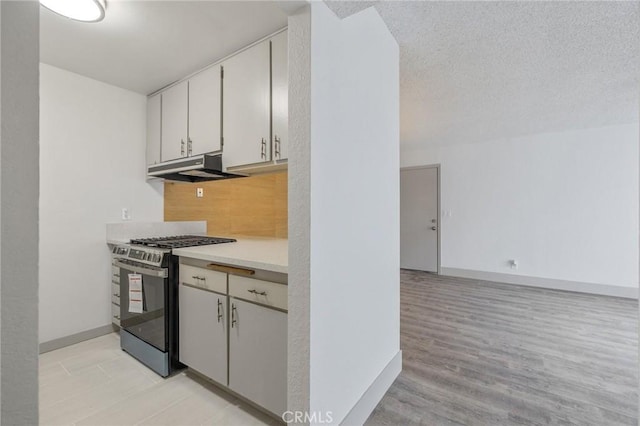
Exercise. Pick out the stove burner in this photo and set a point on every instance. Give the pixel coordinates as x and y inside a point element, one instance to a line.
<point>180,241</point>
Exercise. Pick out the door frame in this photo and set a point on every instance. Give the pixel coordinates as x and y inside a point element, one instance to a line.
<point>439,219</point>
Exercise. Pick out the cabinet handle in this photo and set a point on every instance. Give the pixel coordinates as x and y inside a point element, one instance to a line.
<point>195,277</point>
<point>189,147</point>
<point>277,145</point>
<point>219,311</point>
<point>263,149</point>
<point>115,294</point>
<point>233,314</point>
<point>117,317</point>
<point>256,292</point>
<point>182,147</point>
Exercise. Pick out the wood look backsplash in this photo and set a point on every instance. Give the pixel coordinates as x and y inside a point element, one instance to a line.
<point>255,205</point>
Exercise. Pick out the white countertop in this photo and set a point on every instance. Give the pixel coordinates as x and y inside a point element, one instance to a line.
<point>268,254</point>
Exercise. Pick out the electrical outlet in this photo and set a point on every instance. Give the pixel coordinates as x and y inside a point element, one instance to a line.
<point>126,214</point>
<point>199,192</point>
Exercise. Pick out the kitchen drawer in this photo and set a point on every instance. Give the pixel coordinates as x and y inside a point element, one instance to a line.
<point>263,292</point>
<point>115,294</point>
<point>203,278</point>
<point>115,314</point>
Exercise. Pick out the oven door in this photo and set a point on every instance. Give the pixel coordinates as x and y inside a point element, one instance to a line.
<point>150,325</point>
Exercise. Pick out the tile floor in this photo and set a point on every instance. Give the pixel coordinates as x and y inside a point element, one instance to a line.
<point>96,383</point>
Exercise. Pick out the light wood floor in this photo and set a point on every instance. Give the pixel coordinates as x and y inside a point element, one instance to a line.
<point>95,383</point>
<point>480,353</point>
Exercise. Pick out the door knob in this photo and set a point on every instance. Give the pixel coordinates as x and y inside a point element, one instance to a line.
<point>433,228</point>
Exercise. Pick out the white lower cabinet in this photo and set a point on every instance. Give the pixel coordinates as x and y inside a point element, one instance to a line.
<point>258,354</point>
<point>233,330</point>
<point>203,331</point>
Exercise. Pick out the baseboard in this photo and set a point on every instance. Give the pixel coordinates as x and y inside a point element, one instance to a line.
<point>575,286</point>
<point>62,342</point>
<point>372,396</point>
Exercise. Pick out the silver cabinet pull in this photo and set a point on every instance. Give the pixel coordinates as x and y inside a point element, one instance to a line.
<point>256,292</point>
<point>182,147</point>
<point>195,277</point>
<point>263,149</point>
<point>433,228</point>
<point>277,145</point>
<point>117,317</point>
<point>219,310</point>
<point>233,314</point>
<point>189,147</point>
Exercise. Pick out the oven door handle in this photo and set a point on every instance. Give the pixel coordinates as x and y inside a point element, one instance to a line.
<point>161,273</point>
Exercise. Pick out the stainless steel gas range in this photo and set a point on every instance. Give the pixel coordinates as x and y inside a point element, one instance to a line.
<point>149,298</point>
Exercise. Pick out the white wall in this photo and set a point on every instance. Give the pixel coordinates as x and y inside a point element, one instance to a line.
<point>92,164</point>
<point>19,212</point>
<point>354,182</point>
<point>565,205</point>
<point>299,210</point>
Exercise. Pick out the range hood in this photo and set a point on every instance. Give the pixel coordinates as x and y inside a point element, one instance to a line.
<point>192,169</point>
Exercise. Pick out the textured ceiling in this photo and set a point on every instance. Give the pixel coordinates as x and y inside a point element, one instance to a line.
<point>145,45</point>
<point>476,71</point>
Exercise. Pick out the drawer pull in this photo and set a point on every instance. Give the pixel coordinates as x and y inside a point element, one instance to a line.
<point>117,317</point>
<point>230,269</point>
<point>116,294</point>
<point>195,277</point>
<point>256,292</point>
<point>219,311</point>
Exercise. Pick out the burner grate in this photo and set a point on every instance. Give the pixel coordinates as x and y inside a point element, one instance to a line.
<point>180,241</point>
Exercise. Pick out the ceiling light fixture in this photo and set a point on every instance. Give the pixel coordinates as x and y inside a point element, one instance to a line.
<point>79,10</point>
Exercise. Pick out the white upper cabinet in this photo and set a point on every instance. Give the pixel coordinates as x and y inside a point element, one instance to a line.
<point>204,112</point>
<point>153,129</point>
<point>239,108</point>
<point>175,104</point>
<point>280,95</point>
<point>246,107</point>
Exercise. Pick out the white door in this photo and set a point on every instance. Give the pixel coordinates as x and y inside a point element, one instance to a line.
<point>280,95</point>
<point>153,129</point>
<point>203,332</point>
<point>245,110</point>
<point>175,103</point>
<point>258,354</point>
<point>419,225</point>
<point>204,111</point>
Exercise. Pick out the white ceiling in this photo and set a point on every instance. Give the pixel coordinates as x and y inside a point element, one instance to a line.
<point>475,71</point>
<point>145,45</point>
<point>470,71</point>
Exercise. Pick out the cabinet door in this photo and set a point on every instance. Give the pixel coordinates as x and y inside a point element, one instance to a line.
<point>280,95</point>
<point>202,332</point>
<point>204,111</point>
<point>245,110</point>
<point>258,355</point>
<point>174,121</point>
<point>153,129</point>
